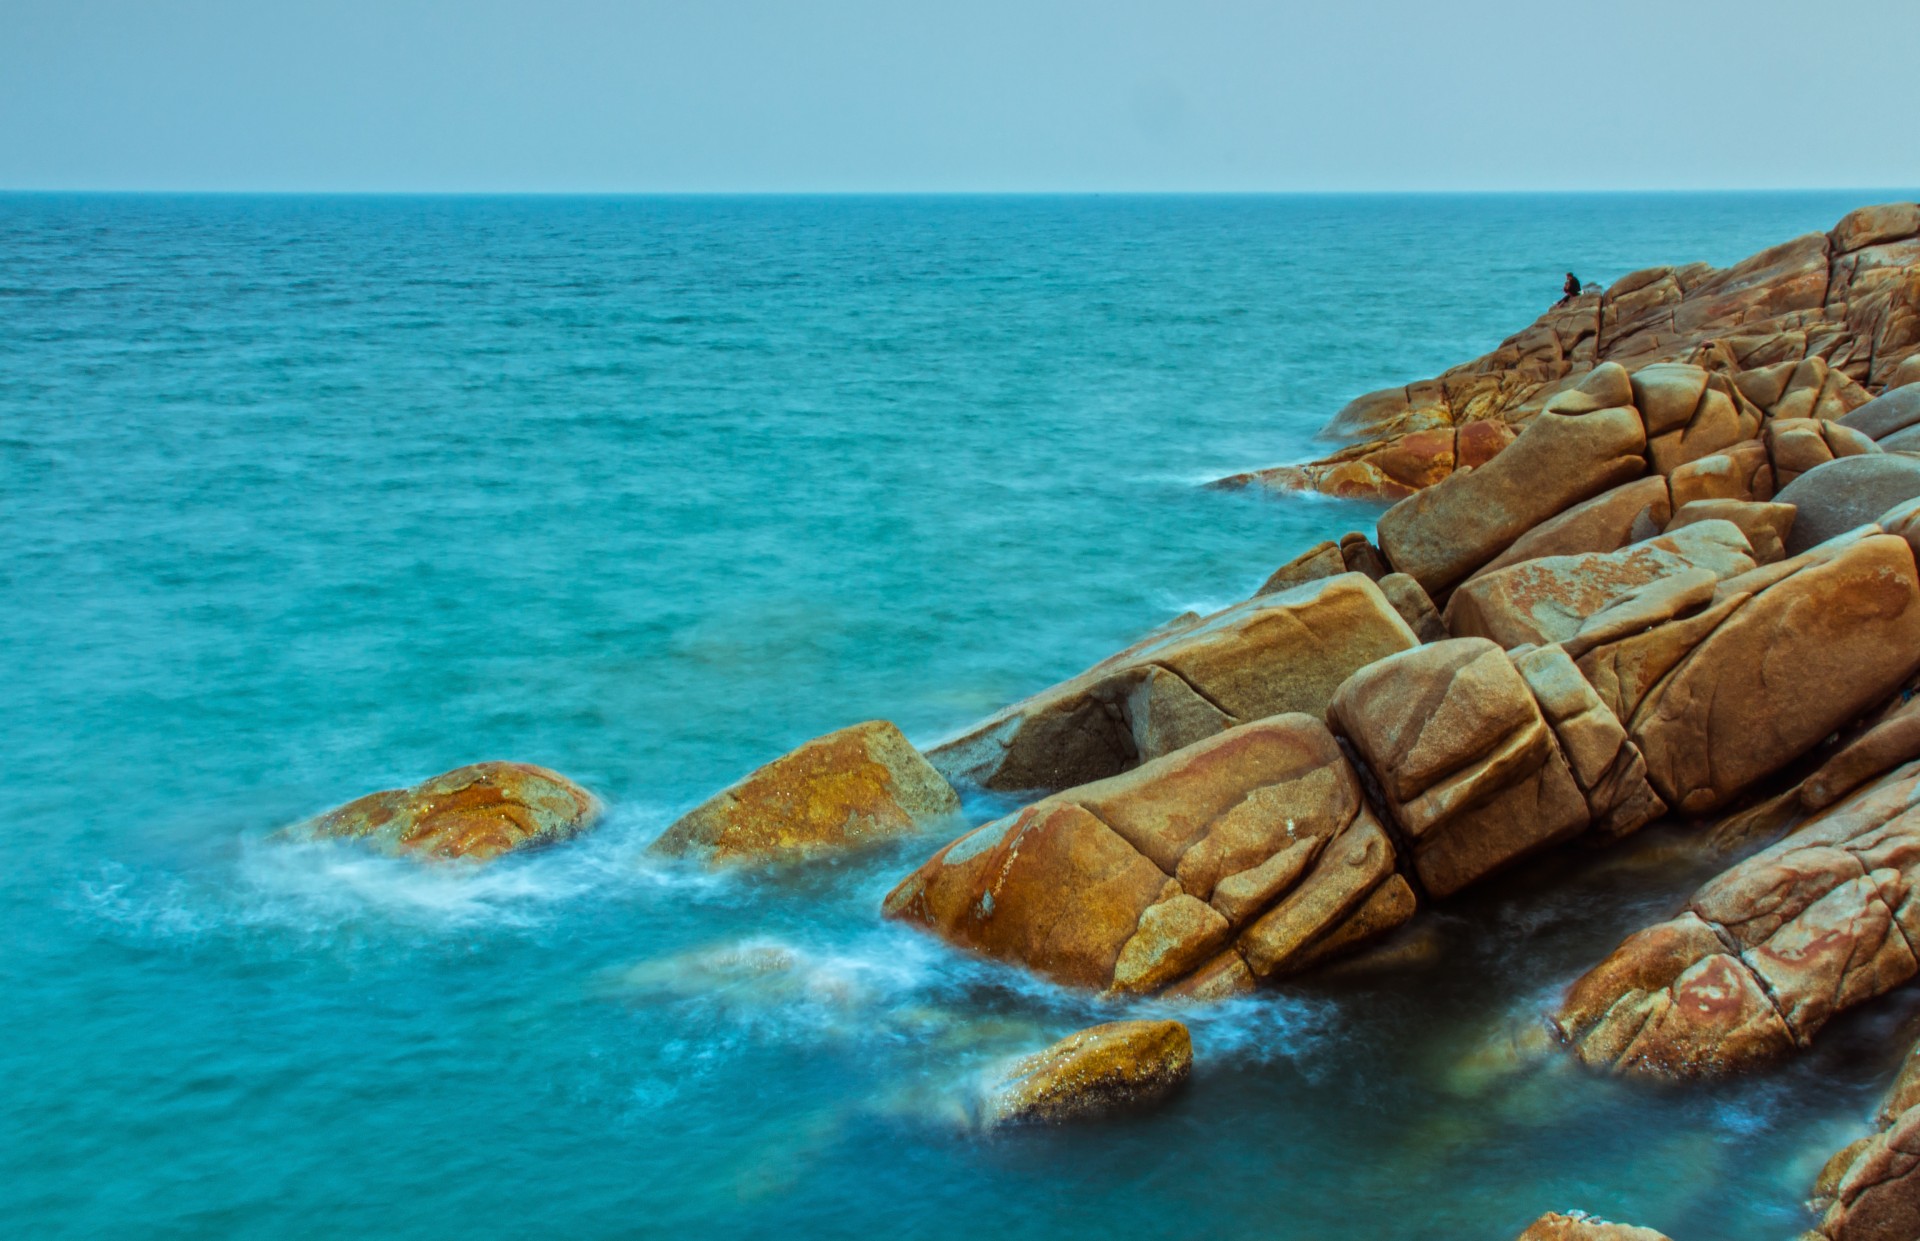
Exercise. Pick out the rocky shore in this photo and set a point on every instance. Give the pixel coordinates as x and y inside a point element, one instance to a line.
<point>1653,558</point>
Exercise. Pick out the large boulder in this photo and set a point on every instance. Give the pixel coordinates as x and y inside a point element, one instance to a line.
<point>1548,600</point>
<point>1733,687</point>
<point>1834,498</point>
<point>846,790</point>
<point>472,814</point>
<point>1470,770</point>
<point>1276,653</point>
<point>1766,953</point>
<point>1878,1198</point>
<point>1121,1064</point>
<point>1235,858</point>
<point>1442,534</point>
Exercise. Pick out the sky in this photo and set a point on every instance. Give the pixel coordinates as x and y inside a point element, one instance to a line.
<point>964,95</point>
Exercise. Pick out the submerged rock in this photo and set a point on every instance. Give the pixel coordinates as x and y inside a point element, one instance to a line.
<point>1099,1070</point>
<point>472,814</point>
<point>1276,653</point>
<point>1241,857</point>
<point>846,790</point>
<point>1579,1226</point>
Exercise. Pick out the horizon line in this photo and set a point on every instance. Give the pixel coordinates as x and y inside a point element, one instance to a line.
<point>1457,192</point>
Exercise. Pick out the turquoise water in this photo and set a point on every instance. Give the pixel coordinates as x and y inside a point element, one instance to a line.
<point>307,497</point>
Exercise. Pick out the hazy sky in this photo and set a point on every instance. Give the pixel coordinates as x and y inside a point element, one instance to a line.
<point>735,95</point>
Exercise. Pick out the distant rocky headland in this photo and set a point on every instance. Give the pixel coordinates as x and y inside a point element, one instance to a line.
<point>1651,560</point>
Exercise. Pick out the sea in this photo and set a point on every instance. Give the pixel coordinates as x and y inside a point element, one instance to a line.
<point>303,497</point>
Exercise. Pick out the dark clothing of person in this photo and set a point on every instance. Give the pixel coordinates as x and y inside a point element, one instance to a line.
<point>1571,288</point>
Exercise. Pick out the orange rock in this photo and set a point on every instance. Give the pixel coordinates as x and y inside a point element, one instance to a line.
<point>1579,1226</point>
<point>1469,768</point>
<point>846,790</point>
<point>1768,952</point>
<point>1442,534</point>
<point>1821,639</point>
<point>1256,841</point>
<point>1118,1065</point>
<point>1765,525</point>
<point>473,813</point>
<point>1549,599</point>
<point>1606,523</point>
<point>1275,653</point>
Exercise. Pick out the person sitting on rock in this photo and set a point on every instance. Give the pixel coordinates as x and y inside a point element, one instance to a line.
<point>1571,288</point>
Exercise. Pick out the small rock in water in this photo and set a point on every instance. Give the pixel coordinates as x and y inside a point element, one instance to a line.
<point>1108,1067</point>
<point>1579,1226</point>
<point>850,788</point>
<point>473,814</point>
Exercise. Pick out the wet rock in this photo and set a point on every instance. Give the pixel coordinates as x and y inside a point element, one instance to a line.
<point>1548,600</point>
<point>846,790</point>
<point>1441,535</point>
<point>1840,495</point>
<point>1579,1226</point>
<point>473,814</point>
<point>1471,772</point>
<point>1273,654</point>
<point>1232,859</point>
<point>1122,1064</point>
<point>1386,469</point>
<point>1870,1191</point>
<point>1766,953</point>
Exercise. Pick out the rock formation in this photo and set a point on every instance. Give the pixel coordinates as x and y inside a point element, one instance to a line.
<point>471,814</point>
<point>846,790</point>
<point>1870,1191</point>
<point>1803,330</point>
<point>1275,653</point>
<point>1767,953</point>
<point>1248,855</point>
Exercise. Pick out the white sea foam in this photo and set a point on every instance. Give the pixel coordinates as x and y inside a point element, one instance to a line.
<point>323,887</point>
